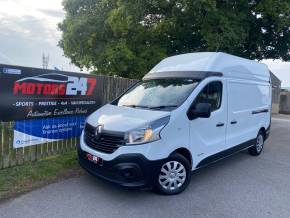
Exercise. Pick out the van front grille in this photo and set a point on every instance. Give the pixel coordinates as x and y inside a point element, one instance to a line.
<point>106,141</point>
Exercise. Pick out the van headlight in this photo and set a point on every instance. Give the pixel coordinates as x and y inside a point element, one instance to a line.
<point>147,133</point>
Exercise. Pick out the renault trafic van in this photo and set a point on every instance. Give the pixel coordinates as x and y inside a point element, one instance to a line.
<point>189,111</point>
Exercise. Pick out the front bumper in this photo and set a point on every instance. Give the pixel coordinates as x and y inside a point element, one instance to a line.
<point>127,170</point>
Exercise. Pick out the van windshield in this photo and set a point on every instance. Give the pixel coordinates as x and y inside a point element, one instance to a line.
<point>158,94</point>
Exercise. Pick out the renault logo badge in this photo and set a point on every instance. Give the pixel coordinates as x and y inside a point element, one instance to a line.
<point>99,130</point>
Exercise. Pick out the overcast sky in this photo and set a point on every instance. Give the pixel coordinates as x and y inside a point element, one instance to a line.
<point>28,28</point>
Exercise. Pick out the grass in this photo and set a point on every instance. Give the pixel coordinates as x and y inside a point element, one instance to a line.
<point>20,179</point>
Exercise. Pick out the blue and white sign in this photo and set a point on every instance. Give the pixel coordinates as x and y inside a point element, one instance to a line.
<point>11,71</point>
<point>33,132</point>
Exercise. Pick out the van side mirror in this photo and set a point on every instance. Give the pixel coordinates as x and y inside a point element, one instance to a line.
<point>202,110</point>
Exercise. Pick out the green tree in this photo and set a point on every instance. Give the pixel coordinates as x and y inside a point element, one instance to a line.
<point>127,38</point>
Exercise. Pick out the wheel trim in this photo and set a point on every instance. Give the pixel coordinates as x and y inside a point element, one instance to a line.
<point>260,143</point>
<point>172,175</point>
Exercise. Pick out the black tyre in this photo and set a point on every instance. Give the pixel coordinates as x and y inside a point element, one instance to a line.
<point>259,145</point>
<point>174,175</point>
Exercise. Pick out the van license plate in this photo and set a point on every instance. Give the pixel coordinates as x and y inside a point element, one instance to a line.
<point>95,159</point>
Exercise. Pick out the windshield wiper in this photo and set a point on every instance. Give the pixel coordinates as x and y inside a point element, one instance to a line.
<point>163,106</point>
<point>135,106</point>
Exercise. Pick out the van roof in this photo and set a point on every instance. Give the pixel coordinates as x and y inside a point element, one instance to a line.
<point>212,63</point>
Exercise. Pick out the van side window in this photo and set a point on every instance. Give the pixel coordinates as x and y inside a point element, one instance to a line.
<point>211,94</point>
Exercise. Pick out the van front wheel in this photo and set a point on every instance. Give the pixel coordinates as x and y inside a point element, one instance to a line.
<point>259,145</point>
<point>174,175</point>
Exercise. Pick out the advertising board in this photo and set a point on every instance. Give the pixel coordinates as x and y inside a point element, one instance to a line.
<point>46,105</point>
<point>31,93</point>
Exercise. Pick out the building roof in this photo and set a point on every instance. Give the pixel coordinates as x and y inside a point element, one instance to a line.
<point>275,78</point>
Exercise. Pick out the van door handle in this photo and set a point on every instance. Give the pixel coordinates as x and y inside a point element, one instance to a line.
<point>234,122</point>
<point>220,124</point>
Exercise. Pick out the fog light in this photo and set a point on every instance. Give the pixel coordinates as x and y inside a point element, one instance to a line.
<point>129,174</point>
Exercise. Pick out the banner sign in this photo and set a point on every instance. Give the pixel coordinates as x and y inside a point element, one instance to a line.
<point>33,132</point>
<point>30,93</point>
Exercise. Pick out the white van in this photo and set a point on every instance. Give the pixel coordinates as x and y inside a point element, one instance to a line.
<point>189,111</point>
